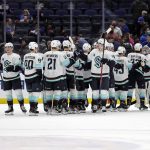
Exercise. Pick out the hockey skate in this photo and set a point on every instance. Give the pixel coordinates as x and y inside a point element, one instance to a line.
<point>103,109</point>
<point>9,111</point>
<point>10,108</point>
<point>33,109</point>
<point>94,108</point>
<point>23,109</point>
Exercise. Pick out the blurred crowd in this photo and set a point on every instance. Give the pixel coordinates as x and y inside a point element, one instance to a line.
<point>121,33</point>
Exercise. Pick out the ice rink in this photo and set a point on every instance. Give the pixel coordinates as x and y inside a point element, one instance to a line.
<point>100,131</point>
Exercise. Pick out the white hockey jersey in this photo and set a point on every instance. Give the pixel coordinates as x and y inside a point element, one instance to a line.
<point>147,74</point>
<point>136,57</point>
<point>7,60</point>
<point>95,57</point>
<point>32,62</point>
<point>55,63</point>
<point>70,70</point>
<point>121,75</point>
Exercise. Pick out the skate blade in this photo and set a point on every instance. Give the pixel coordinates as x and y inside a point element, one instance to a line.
<point>33,114</point>
<point>24,112</point>
<point>82,111</point>
<point>9,114</point>
<point>64,112</point>
<point>53,113</point>
<point>104,111</point>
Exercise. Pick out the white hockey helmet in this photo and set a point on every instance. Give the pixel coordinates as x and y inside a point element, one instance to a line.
<point>145,50</point>
<point>86,47</point>
<point>94,44</point>
<point>66,43</point>
<point>9,44</point>
<point>137,47</point>
<point>59,44</point>
<point>109,46</point>
<point>33,45</point>
<point>121,50</point>
<point>101,41</point>
<point>54,44</point>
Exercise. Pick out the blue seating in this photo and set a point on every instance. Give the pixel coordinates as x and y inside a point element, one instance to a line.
<point>61,12</point>
<point>47,13</point>
<point>77,12</point>
<point>27,5</point>
<point>82,5</point>
<point>97,5</point>
<point>55,5</point>
<point>120,12</point>
<point>90,12</point>
<point>14,5</point>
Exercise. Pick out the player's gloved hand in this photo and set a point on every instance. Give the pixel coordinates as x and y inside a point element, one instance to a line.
<point>76,54</point>
<point>10,68</point>
<point>1,67</point>
<point>39,72</point>
<point>119,66</point>
<point>104,60</point>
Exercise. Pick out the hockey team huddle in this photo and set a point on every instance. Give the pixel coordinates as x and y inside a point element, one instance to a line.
<point>64,75</point>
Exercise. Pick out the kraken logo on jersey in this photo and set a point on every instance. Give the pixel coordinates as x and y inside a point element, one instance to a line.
<point>39,60</point>
<point>97,61</point>
<point>6,63</point>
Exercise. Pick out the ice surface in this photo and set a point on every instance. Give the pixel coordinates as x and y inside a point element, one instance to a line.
<point>101,131</point>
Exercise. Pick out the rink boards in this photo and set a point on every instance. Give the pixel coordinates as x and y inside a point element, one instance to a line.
<point>25,94</point>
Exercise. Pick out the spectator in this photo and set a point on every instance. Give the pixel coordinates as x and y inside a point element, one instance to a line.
<point>10,30</point>
<point>137,7</point>
<point>25,16</point>
<point>116,29</point>
<point>23,47</point>
<point>123,26</point>
<point>42,46</point>
<point>48,45</point>
<point>34,31</point>
<point>140,26</point>
<point>50,31</point>
<point>145,16</point>
<point>143,38</point>
<point>116,33</point>
<point>128,42</point>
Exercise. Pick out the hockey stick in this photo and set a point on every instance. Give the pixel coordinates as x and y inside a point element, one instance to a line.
<point>101,71</point>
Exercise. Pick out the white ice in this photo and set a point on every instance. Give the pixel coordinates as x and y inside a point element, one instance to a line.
<point>101,131</point>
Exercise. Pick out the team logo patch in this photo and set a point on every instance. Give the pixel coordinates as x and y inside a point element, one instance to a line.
<point>6,63</point>
<point>97,61</point>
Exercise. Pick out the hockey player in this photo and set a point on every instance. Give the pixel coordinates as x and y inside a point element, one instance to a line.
<point>55,63</point>
<point>100,75</point>
<point>121,78</point>
<point>11,66</point>
<point>33,74</point>
<point>146,52</point>
<point>87,72</point>
<point>67,47</point>
<point>112,101</point>
<point>136,75</point>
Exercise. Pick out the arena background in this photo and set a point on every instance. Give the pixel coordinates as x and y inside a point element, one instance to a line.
<point>58,19</point>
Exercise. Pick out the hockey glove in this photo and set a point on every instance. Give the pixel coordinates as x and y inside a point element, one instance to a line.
<point>119,66</point>
<point>1,67</point>
<point>39,72</point>
<point>76,54</point>
<point>104,60</point>
<point>10,68</point>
